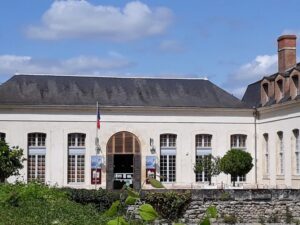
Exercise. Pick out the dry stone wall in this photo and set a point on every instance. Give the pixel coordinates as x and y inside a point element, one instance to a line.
<point>247,206</point>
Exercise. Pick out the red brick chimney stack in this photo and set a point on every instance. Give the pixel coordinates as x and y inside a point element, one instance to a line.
<point>286,52</point>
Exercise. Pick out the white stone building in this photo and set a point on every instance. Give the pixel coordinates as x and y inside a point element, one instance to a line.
<point>173,121</point>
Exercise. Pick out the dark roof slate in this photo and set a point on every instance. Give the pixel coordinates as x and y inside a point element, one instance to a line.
<point>252,94</point>
<point>109,91</point>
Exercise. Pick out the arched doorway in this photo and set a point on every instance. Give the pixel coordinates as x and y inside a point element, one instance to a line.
<point>123,156</point>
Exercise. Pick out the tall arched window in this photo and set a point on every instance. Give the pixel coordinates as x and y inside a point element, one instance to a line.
<point>297,150</point>
<point>36,165</point>
<point>168,157</point>
<point>76,158</point>
<point>203,149</point>
<point>238,141</point>
<point>2,136</point>
<point>280,148</point>
<point>267,155</point>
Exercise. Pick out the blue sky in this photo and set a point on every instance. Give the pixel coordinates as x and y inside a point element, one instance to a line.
<point>231,42</point>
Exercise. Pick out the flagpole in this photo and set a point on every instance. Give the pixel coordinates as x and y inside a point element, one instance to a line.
<point>96,140</point>
<point>97,108</point>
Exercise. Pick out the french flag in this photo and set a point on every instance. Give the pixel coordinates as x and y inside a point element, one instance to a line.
<point>98,117</point>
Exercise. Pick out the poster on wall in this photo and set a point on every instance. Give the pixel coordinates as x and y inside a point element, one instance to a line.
<point>150,162</point>
<point>96,161</point>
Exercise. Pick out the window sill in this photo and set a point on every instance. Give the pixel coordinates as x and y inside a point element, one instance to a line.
<point>266,177</point>
<point>280,177</point>
<point>296,177</point>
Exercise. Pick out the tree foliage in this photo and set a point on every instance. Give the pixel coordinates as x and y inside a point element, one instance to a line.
<point>11,161</point>
<point>209,164</point>
<point>236,162</point>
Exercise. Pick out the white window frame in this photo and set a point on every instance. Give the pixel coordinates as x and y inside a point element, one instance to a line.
<point>36,149</point>
<point>203,149</point>
<point>168,143</point>
<point>281,152</point>
<point>267,153</point>
<point>297,150</point>
<point>76,149</point>
<point>239,144</point>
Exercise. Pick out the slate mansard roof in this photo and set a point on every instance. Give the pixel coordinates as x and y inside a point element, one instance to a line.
<point>110,91</point>
<point>252,96</point>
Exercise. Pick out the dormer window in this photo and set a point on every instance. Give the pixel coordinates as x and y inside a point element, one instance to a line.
<point>265,92</point>
<point>280,89</point>
<point>296,91</point>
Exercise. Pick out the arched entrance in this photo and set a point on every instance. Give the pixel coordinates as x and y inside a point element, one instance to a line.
<point>123,156</point>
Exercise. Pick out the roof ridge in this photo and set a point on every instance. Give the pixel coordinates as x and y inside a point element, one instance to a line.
<point>115,77</point>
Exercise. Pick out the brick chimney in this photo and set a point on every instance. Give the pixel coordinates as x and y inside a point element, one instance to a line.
<point>286,52</point>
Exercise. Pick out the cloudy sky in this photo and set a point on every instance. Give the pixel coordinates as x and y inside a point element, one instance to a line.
<point>231,42</point>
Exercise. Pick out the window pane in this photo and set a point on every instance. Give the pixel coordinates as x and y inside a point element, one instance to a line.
<point>172,140</point>
<point>172,168</point>
<point>41,139</point>
<point>81,140</point>
<point>233,141</point>
<point>76,140</point>
<point>163,168</point>
<point>71,168</point>
<point>238,141</point>
<point>41,168</point>
<point>36,139</point>
<point>163,140</point>
<point>31,168</point>
<point>31,139</point>
<point>80,168</point>
<point>71,139</point>
<point>297,150</point>
<point>2,136</point>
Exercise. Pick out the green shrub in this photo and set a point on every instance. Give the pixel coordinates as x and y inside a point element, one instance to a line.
<point>27,204</point>
<point>212,212</point>
<point>101,199</point>
<point>230,219</point>
<point>17,194</point>
<point>169,205</point>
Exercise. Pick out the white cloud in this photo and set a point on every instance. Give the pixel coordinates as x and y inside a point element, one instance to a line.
<point>81,19</point>
<point>257,68</point>
<point>171,46</point>
<point>262,65</point>
<point>10,64</point>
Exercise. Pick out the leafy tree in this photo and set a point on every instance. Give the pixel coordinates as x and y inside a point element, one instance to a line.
<point>209,164</point>
<point>11,160</point>
<point>236,162</point>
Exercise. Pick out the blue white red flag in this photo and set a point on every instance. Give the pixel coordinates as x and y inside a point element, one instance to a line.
<point>98,117</point>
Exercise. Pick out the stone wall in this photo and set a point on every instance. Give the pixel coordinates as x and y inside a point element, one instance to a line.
<point>248,206</point>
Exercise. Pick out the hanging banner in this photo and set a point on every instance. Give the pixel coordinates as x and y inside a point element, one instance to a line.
<point>150,162</point>
<point>96,165</point>
<point>95,176</point>
<point>96,162</point>
<point>150,167</point>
